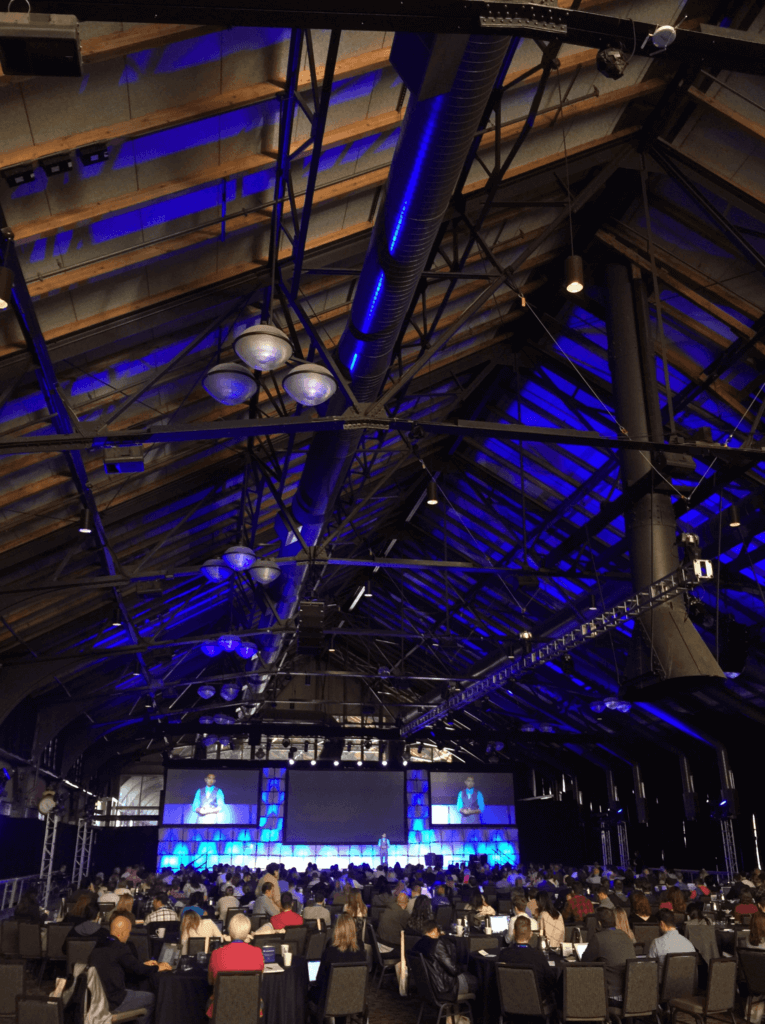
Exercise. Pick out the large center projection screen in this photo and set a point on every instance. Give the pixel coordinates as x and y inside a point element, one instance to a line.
<point>471,800</point>
<point>342,807</point>
<point>231,799</point>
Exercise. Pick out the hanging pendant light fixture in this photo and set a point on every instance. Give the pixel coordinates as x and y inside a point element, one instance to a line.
<point>229,692</point>
<point>574,271</point>
<point>263,347</point>
<point>230,384</point>
<point>734,516</point>
<point>211,648</point>
<point>206,691</point>
<point>432,498</point>
<point>86,522</point>
<point>265,572</point>
<point>229,642</point>
<point>238,557</point>
<point>309,384</point>
<point>216,570</point>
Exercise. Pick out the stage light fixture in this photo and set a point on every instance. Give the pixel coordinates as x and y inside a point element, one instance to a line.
<point>263,347</point>
<point>247,650</point>
<point>216,570</point>
<point>309,384</point>
<point>116,616</point>
<point>598,706</point>
<point>331,649</point>
<point>525,634</point>
<point>734,517</point>
<point>86,523</point>
<point>293,751</point>
<point>229,691</point>
<point>60,163</point>
<point>6,287</point>
<point>229,642</point>
<point>40,44</point>
<point>206,720</point>
<point>305,747</point>
<point>206,691</point>
<point>210,648</point>
<point>593,605</point>
<point>432,498</point>
<point>97,153</point>
<point>617,704</point>
<point>239,557</point>
<point>528,727</point>
<point>265,572</point>
<point>574,274</point>
<point>230,384</point>
<point>367,590</point>
<point>611,62</point>
<point>224,720</point>
<point>285,742</point>
<point>23,174</point>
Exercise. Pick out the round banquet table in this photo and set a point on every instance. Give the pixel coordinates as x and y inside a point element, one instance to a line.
<point>181,996</point>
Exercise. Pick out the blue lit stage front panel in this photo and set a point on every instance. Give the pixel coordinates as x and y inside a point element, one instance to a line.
<point>256,845</point>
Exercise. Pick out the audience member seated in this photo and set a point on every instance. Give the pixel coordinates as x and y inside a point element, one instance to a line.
<point>227,902</point>
<point>641,910</point>
<point>478,911</point>
<point>675,901</point>
<point>124,906</point>
<point>745,907</point>
<point>440,899</point>
<point>109,896</point>
<point>519,907</point>
<point>577,905</point>
<point>700,889</point>
<point>614,948</point>
<point>623,923</point>
<point>756,938</point>
<point>160,911</point>
<point>440,959</point>
<point>88,928</point>
<point>116,966</point>
<point>77,913</point>
<point>603,896</point>
<point>287,916</point>
<point>355,907</point>
<point>236,955</point>
<point>550,921</point>
<point>315,909</point>
<point>345,948</point>
<point>272,876</point>
<point>393,921</point>
<point>28,909</point>
<point>266,902</point>
<point>195,925</point>
<point>88,890</point>
<point>670,940</point>
<point>195,885</point>
<point>421,915</point>
<point>521,953</point>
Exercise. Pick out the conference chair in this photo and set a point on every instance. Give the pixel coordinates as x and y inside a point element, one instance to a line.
<point>589,927</point>
<point>505,906</point>
<point>443,916</point>
<point>382,963</point>
<point>140,939</point>
<point>12,985</point>
<point>78,952</point>
<point>297,934</point>
<point>641,991</point>
<point>573,933</point>
<point>197,945</point>
<point>645,934</point>
<point>519,993</point>
<point>315,945</point>
<point>428,997</point>
<point>231,912</point>
<point>9,938</point>
<point>39,1010</point>
<point>679,976</point>
<point>346,994</point>
<point>752,964</point>
<point>236,997</point>
<point>487,942</point>
<point>719,998</point>
<point>585,995</point>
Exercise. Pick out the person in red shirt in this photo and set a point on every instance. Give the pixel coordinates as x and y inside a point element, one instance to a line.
<point>577,905</point>
<point>288,916</point>
<point>236,955</point>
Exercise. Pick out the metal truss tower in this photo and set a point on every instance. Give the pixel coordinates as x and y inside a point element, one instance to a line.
<point>729,847</point>
<point>82,850</point>
<point>48,851</point>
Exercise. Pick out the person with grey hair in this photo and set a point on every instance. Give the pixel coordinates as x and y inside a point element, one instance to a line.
<point>236,955</point>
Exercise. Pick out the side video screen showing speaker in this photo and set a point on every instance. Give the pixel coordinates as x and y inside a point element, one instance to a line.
<point>206,798</point>
<point>471,800</point>
<point>342,807</point>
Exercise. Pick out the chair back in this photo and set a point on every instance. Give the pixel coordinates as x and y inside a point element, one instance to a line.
<point>78,951</point>
<point>236,997</point>
<point>641,988</point>
<point>752,963</point>
<point>297,934</point>
<point>346,990</point>
<point>679,978</point>
<point>11,986</point>
<point>444,915</point>
<point>30,941</point>
<point>590,926</point>
<point>140,940</point>
<point>505,906</point>
<point>376,954</point>
<point>585,996</point>
<point>9,939</point>
<point>231,912</point>
<point>58,932</point>
<point>421,979</point>
<point>518,991</point>
<point>476,942</point>
<point>721,988</point>
<point>679,919</point>
<point>196,944</point>
<point>104,909</point>
<point>410,941</point>
<point>36,1010</point>
<point>646,933</point>
<point>256,920</point>
<point>315,945</point>
<point>572,933</point>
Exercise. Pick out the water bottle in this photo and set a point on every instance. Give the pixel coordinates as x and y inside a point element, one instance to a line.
<point>487,926</point>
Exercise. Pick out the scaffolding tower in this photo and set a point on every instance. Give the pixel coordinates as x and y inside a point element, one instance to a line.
<point>729,847</point>
<point>605,841</point>
<point>48,851</point>
<point>82,850</point>
<point>624,846</point>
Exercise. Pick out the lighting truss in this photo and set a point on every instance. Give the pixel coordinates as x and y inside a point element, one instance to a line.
<point>699,571</point>
<point>48,854</point>
<point>82,849</point>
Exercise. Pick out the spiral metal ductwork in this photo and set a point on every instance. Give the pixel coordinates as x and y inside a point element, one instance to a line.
<point>435,138</point>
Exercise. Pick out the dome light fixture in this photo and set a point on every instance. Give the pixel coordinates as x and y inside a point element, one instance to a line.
<point>230,384</point>
<point>239,557</point>
<point>309,384</point>
<point>574,273</point>
<point>229,642</point>
<point>247,650</point>
<point>263,347</point>
<point>229,691</point>
<point>206,720</point>
<point>265,571</point>
<point>210,648</point>
<point>206,691</point>
<point>617,704</point>
<point>598,706</point>
<point>216,570</point>
<point>224,720</point>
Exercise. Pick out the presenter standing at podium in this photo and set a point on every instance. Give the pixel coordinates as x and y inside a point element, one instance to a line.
<point>383,848</point>
<point>209,806</point>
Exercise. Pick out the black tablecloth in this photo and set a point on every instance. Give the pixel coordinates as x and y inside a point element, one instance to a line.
<point>486,1005</point>
<point>182,995</point>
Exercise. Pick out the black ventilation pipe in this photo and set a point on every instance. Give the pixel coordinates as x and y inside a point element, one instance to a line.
<point>677,650</point>
<point>435,139</point>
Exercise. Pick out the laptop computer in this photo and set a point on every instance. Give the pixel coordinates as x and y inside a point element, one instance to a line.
<point>313,970</point>
<point>499,923</point>
<point>169,954</point>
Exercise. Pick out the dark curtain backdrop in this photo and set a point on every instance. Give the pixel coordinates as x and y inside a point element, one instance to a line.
<point>118,847</point>
<point>551,830</point>
<point>21,841</point>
